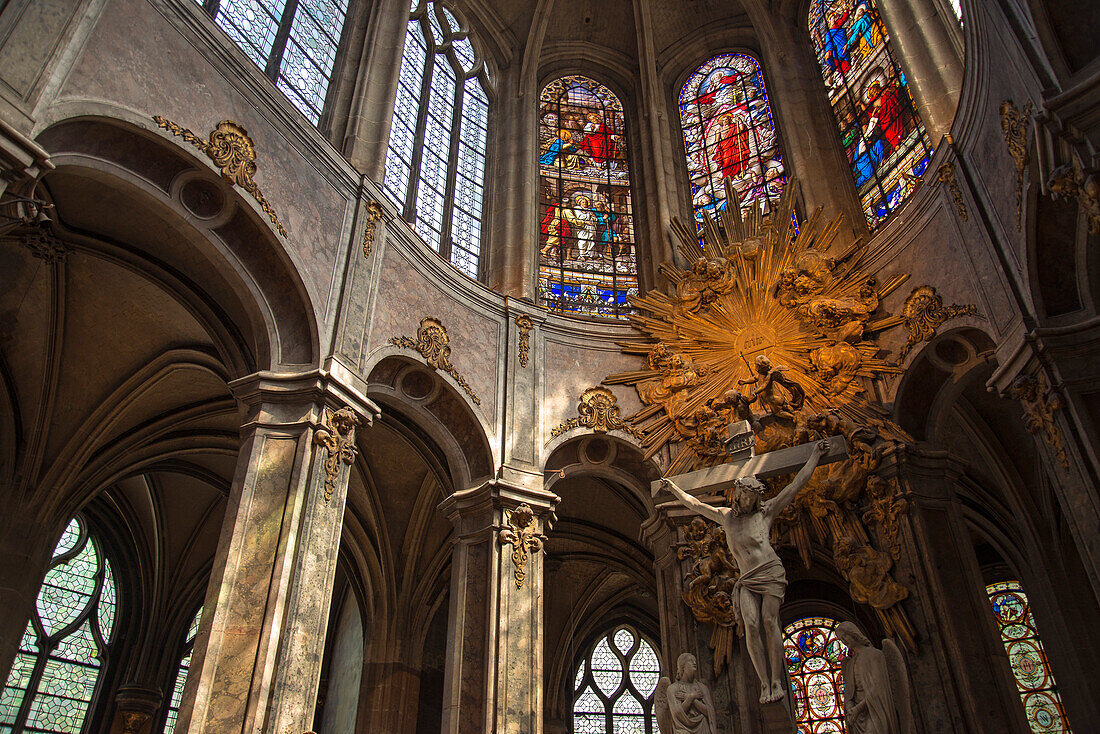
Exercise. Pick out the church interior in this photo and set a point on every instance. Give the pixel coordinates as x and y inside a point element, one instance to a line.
<point>549,366</point>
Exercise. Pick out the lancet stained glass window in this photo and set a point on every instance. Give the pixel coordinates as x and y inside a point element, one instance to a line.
<point>587,260</point>
<point>1038,691</point>
<point>613,687</point>
<point>53,678</point>
<point>880,128</point>
<point>293,41</point>
<point>729,133</point>
<point>181,675</point>
<point>814,655</point>
<point>435,162</point>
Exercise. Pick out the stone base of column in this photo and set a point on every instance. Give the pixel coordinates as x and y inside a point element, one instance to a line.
<point>135,707</point>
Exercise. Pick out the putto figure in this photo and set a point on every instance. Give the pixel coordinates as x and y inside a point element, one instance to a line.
<point>759,590</point>
<point>684,706</point>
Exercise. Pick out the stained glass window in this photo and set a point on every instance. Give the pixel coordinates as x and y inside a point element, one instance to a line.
<point>293,41</point>
<point>181,675</point>
<point>1038,691</point>
<point>53,678</point>
<point>880,129</point>
<point>813,655</point>
<point>613,687</point>
<point>586,231</point>
<point>435,162</point>
<point>729,133</point>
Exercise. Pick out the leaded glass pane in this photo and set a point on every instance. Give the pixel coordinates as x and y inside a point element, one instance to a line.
<point>310,53</point>
<point>645,670</point>
<point>1034,681</point>
<point>814,656</point>
<point>252,24</point>
<point>880,128</point>
<point>399,154</point>
<point>604,699</point>
<point>181,676</point>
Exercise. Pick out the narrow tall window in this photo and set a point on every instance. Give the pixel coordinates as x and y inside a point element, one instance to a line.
<point>814,655</point>
<point>880,129</point>
<point>181,675</point>
<point>293,41</point>
<point>586,231</point>
<point>1035,682</point>
<point>729,133</point>
<point>55,674</point>
<point>613,687</point>
<point>435,163</point>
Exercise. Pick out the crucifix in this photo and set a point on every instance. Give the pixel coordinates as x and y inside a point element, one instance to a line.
<point>747,522</point>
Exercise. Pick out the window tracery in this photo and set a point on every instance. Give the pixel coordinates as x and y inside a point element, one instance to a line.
<point>435,160</point>
<point>729,132</point>
<point>814,655</point>
<point>1034,680</point>
<point>56,670</point>
<point>293,41</point>
<point>880,128</point>
<point>181,675</point>
<point>587,262</point>
<point>614,685</point>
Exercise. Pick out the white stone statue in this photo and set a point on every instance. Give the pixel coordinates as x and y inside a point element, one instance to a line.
<point>876,685</point>
<point>684,706</point>
<point>759,589</point>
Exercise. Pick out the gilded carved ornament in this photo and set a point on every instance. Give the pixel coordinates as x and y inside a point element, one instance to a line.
<point>947,176</point>
<point>599,411</point>
<point>520,534</point>
<point>525,324</point>
<point>374,215</point>
<point>1014,127</point>
<point>924,312</point>
<point>434,346</point>
<point>233,151</point>
<point>133,721</point>
<point>1070,181</point>
<point>337,435</point>
<point>1041,405</point>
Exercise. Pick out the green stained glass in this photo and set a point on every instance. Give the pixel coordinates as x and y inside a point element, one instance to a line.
<point>181,676</point>
<point>814,656</point>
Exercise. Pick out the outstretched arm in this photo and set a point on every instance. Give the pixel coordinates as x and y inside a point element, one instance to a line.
<point>781,500</point>
<point>685,499</point>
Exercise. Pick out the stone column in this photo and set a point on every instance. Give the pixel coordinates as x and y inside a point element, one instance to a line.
<point>135,707</point>
<point>257,658</point>
<point>923,47</point>
<point>26,549</point>
<point>493,679</point>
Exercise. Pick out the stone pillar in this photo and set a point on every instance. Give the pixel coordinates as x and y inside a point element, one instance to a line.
<point>257,658</point>
<point>27,550</point>
<point>493,679</point>
<point>923,47</point>
<point>135,708</point>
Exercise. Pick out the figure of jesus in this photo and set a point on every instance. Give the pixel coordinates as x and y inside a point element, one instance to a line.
<point>759,590</point>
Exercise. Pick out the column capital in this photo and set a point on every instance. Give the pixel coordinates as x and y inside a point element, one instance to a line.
<point>485,501</point>
<point>286,399</point>
<point>136,705</point>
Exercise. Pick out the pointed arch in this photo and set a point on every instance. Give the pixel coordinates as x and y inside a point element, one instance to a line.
<point>614,683</point>
<point>180,680</point>
<point>814,655</point>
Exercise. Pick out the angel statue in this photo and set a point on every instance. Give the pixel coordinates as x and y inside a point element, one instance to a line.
<point>876,685</point>
<point>684,706</point>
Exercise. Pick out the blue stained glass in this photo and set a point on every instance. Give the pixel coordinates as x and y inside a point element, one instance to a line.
<point>814,656</point>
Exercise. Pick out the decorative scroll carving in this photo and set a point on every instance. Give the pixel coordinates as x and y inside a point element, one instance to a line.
<point>337,436</point>
<point>1014,126</point>
<point>867,572</point>
<point>374,214</point>
<point>525,324</point>
<point>133,721</point>
<point>1070,181</point>
<point>434,346</point>
<point>233,151</point>
<point>947,176</point>
<point>521,535</point>
<point>598,410</point>
<point>885,508</point>
<point>924,312</point>
<point>44,245</point>
<point>1041,404</point>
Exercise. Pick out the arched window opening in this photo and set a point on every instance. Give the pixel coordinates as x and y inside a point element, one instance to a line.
<point>293,41</point>
<point>880,129</point>
<point>435,162</point>
<point>181,675</point>
<point>587,261</point>
<point>613,686</point>
<point>814,654</point>
<point>729,133</point>
<point>55,674</point>
<point>1038,691</point>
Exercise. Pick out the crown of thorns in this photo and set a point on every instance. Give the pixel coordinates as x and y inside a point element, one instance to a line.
<point>742,482</point>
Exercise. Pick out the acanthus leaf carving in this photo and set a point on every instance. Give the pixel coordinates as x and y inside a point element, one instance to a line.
<point>1014,126</point>
<point>434,346</point>
<point>598,410</point>
<point>924,312</point>
<point>373,214</point>
<point>1041,405</point>
<point>946,175</point>
<point>521,535</point>
<point>337,436</point>
<point>525,324</point>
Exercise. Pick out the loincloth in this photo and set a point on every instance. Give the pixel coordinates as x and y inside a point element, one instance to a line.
<point>767,579</point>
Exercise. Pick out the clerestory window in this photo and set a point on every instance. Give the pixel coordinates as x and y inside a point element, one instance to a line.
<point>613,686</point>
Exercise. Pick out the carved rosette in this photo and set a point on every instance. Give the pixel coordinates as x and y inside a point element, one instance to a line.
<point>44,245</point>
<point>924,312</point>
<point>337,436</point>
<point>434,346</point>
<point>599,411</point>
<point>232,150</point>
<point>373,214</point>
<point>520,534</point>
<point>947,176</point>
<point>1041,405</point>
<point>1014,127</point>
<point>525,324</point>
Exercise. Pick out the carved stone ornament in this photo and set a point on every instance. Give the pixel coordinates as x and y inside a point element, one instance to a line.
<point>133,721</point>
<point>924,312</point>
<point>337,436</point>
<point>947,176</point>
<point>1014,126</point>
<point>1071,182</point>
<point>374,215</point>
<point>433,344</point>
<point>525,324</point>
<point>233,151</point>
<point>598,410</point>
<point>44,245</point>
<point>1041,404</point>
<point>521,535</point>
